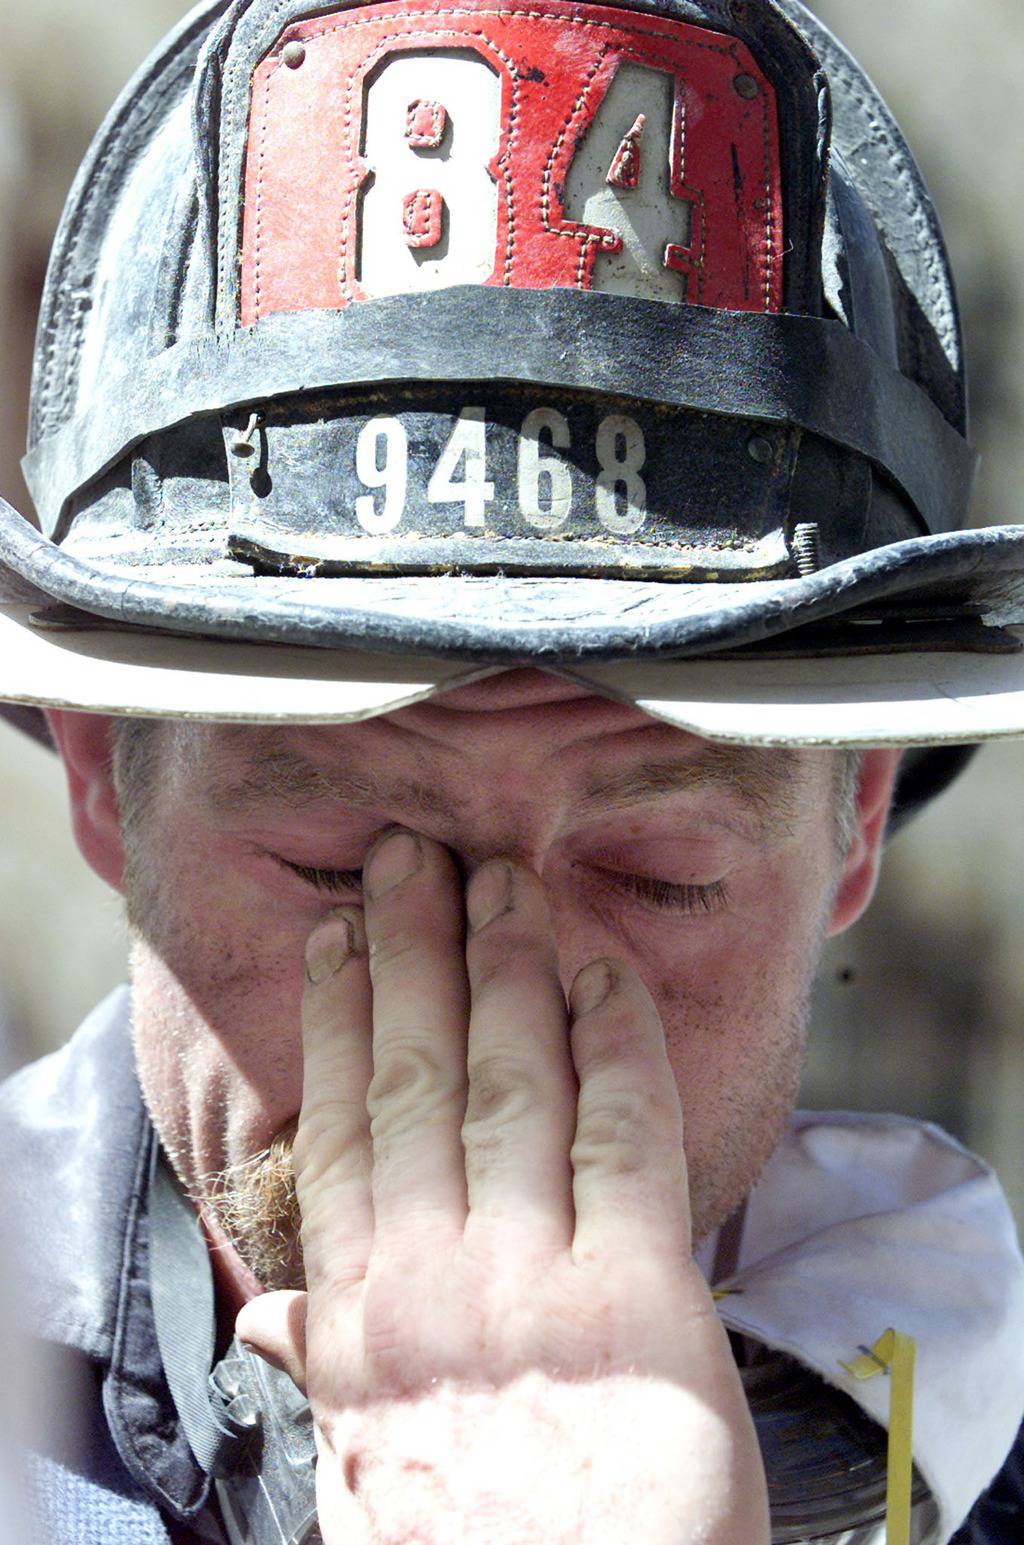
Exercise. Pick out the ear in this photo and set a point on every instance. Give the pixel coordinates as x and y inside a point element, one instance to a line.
<point>860,867</point>
<point>85,742</point>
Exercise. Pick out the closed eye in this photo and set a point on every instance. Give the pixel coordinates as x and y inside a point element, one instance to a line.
<point>336,881</point>
<point>665,895</point>
<point>668,896</point>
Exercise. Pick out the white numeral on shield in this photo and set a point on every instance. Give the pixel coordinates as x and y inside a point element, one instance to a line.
<point>544,476</point>
<point>429,208</point>
<point>545,482</point>
<point>620,181</point>
<point>467,444</point>
<point>392,474</point>
<point>621,494</point>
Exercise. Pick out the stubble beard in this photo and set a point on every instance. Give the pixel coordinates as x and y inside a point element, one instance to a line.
<point>253,1203</point>
<point>256,1207</point>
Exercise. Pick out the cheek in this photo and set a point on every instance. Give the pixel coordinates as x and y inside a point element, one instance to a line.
<point>755,967</point>
<point>730,1015</point>
<point>217,981</point>
<point>773,924</point>
<point>735,1023</point>
<point>731,989</point>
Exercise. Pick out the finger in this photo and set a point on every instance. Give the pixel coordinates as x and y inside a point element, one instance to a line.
<point>332,1153</point>
<point>629,1169</point>
<point>521,1106</point>
<point>274,1327</point>
<point>414,922</point>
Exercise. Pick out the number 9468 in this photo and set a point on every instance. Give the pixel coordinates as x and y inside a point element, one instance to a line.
<point>544,486</point>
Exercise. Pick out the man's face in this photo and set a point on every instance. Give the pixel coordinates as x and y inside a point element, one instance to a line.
<point>710,870</point>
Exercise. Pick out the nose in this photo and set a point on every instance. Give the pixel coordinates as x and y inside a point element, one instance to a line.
<point>522,833</point>
<point>474,856</point>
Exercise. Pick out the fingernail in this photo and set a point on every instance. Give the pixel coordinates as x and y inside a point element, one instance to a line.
<point>328,948</point>
<point>393,860</point>
<point>591,987</point>
<point>488,895</point>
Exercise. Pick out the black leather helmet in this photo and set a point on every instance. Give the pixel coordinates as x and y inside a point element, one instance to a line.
<point>619,340</point>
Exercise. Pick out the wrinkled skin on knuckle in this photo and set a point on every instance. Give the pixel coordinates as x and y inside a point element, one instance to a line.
<point>341,1281</point>
<point>391,1355</point>
<point>408,1084</point>
<point>501,1093</point>
<point>327,1133</point>
<point>412,1331</point>
<point>614,1133</point>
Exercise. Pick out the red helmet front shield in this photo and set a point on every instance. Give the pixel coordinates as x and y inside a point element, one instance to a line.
<point>395,150</point>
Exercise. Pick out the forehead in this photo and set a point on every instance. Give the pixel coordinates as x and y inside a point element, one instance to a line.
<point>520,738</point>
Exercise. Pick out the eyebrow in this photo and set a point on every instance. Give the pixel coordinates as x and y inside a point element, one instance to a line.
<point>276,774</point>
<point>769,782</point>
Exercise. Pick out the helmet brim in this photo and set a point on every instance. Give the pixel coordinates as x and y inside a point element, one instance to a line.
<point>927,697</point>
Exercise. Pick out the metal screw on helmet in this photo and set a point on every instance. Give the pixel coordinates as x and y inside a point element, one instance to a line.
<point>294,55</point>
<point>745,86</point>
<point>761,449</point>
<point>244,446</point>
<point>807,547</point>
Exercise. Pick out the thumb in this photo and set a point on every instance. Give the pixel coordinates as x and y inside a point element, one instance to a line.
<point>274,1327</point>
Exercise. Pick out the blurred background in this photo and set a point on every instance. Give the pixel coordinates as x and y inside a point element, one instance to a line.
<point>921,1008</point>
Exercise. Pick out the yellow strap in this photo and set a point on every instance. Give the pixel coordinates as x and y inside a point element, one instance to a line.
<point>893,1353</point>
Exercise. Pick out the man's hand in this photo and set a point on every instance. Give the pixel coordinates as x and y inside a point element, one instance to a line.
<point>505,1338</point>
